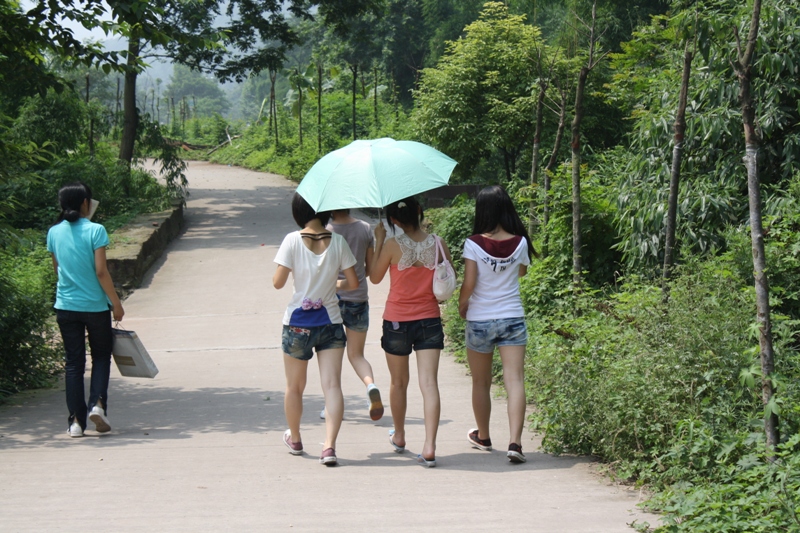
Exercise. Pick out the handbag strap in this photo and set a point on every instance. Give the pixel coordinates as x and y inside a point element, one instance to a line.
<point>439,249</point>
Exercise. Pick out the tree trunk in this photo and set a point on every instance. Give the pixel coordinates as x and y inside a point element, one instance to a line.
<point>537,135</point>
<point>119,106</point>
<point>551,164</point>
<point>319,108</point>
<point>675,177</point>
<point>375,97</point>
<point>752,147</point>
<point>300,113</point>
<point>576,177</point>
<point>273,110</point>
<point>91,121</point>
<point>354,69</point>
<point>130,119</point>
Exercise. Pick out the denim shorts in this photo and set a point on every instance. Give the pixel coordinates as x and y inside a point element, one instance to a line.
<point>484,335</point>
<point>355,315</point>
<point>425,334</point>
<point>297,342</point>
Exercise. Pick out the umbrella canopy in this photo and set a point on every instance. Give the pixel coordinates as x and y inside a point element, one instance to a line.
<point>374,173</point>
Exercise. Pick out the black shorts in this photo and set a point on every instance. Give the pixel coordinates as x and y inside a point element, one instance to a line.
<point>399,338</point>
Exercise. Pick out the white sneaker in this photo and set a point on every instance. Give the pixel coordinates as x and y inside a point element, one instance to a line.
<point>100,419</point>
<point>322,414</point>
<point>75,430</point>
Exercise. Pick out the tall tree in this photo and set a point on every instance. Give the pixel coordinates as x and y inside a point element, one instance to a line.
<point>357,47</point>
<point>743,66</point>
<point>675,174</point>
<point>300,81</point>
<point>544,70</point>
<point>593,59</point>
<point>477,102</point>
<point>563,87</point>
<point>256,37</point>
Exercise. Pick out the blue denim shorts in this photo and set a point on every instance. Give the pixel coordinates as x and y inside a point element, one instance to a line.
<point>355,315</point>
<point>425,334</point>
<point>484,335</point>
<point>298,342</point>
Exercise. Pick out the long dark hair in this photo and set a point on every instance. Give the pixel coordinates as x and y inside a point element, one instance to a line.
<point>406,211</point>
<point>493,207</point>
<point>303,213</point>
<point>71,198</point>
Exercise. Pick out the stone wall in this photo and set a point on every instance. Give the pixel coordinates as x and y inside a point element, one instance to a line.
<point>136,246</point>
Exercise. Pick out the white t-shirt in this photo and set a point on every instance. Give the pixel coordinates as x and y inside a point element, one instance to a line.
<point>496,293</point>
<point>314,302</point>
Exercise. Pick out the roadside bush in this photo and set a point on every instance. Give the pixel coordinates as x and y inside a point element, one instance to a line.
<point>624,378</point>
<point>54,120</point>
<point>29,357</point>
<point>453,224</point>
<point>753,495</point>
<point>122,193</point>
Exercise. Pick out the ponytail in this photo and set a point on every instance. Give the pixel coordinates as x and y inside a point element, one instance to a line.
<point>71,198</point>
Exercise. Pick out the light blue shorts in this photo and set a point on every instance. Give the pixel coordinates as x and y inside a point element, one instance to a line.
<point>484,335</point>
<point>355,315</point>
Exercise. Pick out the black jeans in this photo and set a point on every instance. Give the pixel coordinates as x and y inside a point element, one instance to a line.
<point>74,325</point>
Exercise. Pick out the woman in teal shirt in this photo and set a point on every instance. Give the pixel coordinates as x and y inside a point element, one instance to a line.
<point>85,300</point>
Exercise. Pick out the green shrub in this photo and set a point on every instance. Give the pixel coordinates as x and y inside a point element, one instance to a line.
<point>122,193</point>
<point>55,120</point>
<point>753,495</point>
<point>624,378</point>
<point>453,224</point>
<point>29,357</point>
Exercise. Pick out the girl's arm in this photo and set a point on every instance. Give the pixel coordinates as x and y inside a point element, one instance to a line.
<point>368,260</point>
<point>468,286</point>
<point>281,276</point>
<point>523,269</point>
<point>104,277</point>
<point>378,270</point>
<point>55,264</point>
<point>350,280</point>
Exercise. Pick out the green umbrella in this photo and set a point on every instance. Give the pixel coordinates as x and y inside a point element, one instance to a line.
<point>374,173</point>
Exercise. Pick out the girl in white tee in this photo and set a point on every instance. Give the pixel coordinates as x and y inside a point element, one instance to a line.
<point>312,320</point>
<point>495,257</point>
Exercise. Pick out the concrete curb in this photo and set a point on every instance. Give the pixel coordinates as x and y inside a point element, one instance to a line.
<point>139,244</point>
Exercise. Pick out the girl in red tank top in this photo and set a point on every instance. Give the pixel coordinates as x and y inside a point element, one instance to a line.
<point>411,320</point>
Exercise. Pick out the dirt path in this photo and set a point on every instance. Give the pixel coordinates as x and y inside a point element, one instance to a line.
<point>199,448</point>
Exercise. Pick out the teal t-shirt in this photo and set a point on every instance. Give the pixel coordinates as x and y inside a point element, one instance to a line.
<point>73,245</point>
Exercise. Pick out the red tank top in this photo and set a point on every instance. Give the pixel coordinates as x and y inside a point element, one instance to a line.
<point>410,295</point>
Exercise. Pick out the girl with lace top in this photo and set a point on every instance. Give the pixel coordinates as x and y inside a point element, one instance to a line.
<point>411,319</point>
<point>312,320</point>
<point>495,257</point>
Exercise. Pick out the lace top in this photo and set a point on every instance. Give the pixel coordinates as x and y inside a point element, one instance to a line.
<point>424,252</point>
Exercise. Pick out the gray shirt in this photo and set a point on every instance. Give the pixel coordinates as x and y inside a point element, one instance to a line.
<point>359,236</point>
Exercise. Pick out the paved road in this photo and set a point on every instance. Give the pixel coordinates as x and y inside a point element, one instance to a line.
<point>199,448</point>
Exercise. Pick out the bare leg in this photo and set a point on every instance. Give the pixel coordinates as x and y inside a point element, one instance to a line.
<point>480,366</point>
<point>513,358</point>
<point>428,373</point>
<point>293,400</point>
<point>330,377</point>
<point>398,391</point>
<point>356,340</point>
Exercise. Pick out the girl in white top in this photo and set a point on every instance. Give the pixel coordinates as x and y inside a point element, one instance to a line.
<point>312,320</point>
<point>495,257</point>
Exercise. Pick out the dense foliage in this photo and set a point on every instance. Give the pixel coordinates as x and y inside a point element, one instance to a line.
<point>660,382</point>
<point>668,390</point>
